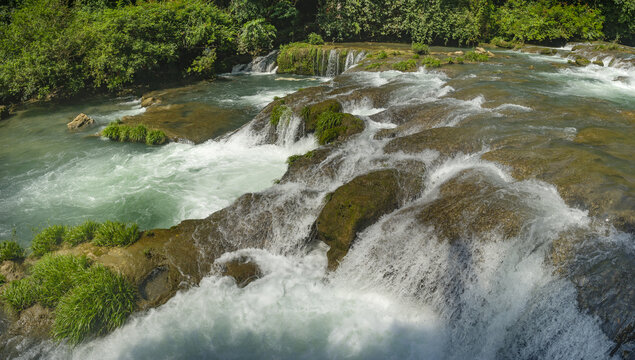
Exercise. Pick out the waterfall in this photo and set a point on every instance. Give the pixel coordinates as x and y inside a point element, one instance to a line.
<point>260,64</point>
<point>353,58</point>
<point>333,64</point>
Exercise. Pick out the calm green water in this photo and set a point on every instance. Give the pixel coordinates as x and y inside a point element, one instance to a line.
<point>50,175</point>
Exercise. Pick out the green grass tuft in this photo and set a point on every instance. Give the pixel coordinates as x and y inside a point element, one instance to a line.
<point>420,48</point>
<point>20,294</point>
<point>405,65</point>
<point>11,250</point>
<point>124,133</point>
<point>276,113</point>
<point>138,134</point>
<point>473,56</point>
<point>81,233</point>
<point>54,276</point>
<point>116,234</point>
<point>95,307</point>
<point>48,239</point>
<point>111,131</point>
<point>431,62</point>
<point>374,66</point>
<point>325,128</point>
<point>459,60</point>
<point>156,137</point>
<point>381,55</point>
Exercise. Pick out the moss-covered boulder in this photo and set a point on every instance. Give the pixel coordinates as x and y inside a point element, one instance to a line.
<point>446,140</point>
<point>311,112</point>
<point>470,204</point>
<point>353,207</point>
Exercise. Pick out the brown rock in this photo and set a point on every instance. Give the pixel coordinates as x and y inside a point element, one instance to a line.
<point>81,121</point>
<point>149,101</point>
<point>243,270</point>
<point>446,140</point>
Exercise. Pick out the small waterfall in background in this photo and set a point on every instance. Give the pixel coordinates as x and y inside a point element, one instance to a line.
<point>261,65</point>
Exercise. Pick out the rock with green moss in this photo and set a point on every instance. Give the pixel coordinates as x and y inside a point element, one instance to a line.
<point>332,126</point>
<point>310,113</point>
<point>353,207</point>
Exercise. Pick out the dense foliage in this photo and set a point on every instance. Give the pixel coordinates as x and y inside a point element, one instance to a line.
<point>62,48</point>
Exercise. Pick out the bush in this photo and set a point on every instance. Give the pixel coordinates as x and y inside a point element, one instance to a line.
<point>204,64</point>
<point>48,239</point>
<point>116,234</point>
<point>94,307</point>
<point>138,134</point>
<point>382,55</point>
<point>420,48</point>
<point>54,276</point>
<point>20,294</point>
<point>11,250</point>
<point>156,137</point>
<point>315,39</point>
<point>81,233</point>
<point>431,61</point>
<point>405,65</point>
<point>501,43</point>
<point>256,37</point>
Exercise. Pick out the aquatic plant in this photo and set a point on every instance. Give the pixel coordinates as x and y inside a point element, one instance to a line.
<point>373,66</point>
<point>476,57</point>
<point>325,128</point>
<point>276,113</point>
<point>111,131</point>
<point>420,48</point>
<point>81,233</point>
<point>10,250</point>
<point>95,307</point>
<point>48,239</point>
<point>116,234</point>
<point>124,133</point>
<point>156,137</point>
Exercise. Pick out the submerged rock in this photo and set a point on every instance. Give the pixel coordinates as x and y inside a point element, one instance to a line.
<point>147,101</point>
<point>81,121</point>
<point>446,140</point>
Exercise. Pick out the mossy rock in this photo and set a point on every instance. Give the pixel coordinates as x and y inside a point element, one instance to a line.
<point>469,204</point>
<point>446,140</point>
<point>353,207</point>
<point>311,112</point>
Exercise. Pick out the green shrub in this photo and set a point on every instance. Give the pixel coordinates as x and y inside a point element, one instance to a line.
<point>293,158</point>
<point>81,233</point>
<point>416,56</point>
<point>95,307</point>
<point>54,276</point>
<point>431,61</point>
<point>111,131</point>
<point>256,37</point>
<point>3,279</point>
<point>502,43</point>
<point>156,137</point>
<point>459,60</point>
<point>10,250</point>
<point>276,113</point>
<point>48,239</point>
<point>315,39</point>
<point>204,65</point>
<point>405,65</point>
<point>476,57</point>
<point>138,134</point>
<point>116,234</point>
<point>420,48</point>
<point>20,294</point>
<point>381,55</point>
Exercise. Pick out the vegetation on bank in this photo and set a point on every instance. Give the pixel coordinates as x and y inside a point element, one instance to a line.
<point>61,49</point>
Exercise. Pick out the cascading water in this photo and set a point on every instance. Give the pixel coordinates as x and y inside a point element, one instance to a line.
<point>259,65</point>
<point>460,269</point>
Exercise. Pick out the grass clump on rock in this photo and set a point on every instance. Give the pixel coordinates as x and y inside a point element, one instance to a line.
<point>476,57</point>
<point>277,112</point>
<point>48,239</point>
<point>81,233</point>
<point>116,234</point>
<point>405,65</point>
<point>10,250</point>
<point>87,300</point>
<point>431,62</point>
<point>95,307</point>
<point>116,131</point>
<point>331,126</point>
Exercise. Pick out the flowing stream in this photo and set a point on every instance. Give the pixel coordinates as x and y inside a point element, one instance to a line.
<point>403,291</point>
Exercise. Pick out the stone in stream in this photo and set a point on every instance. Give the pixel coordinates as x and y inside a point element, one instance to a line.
<point>243,270</point>
<point>353,207</point>
<point>446,140</point>
<point>81,121</point>
<point>147,101</point>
